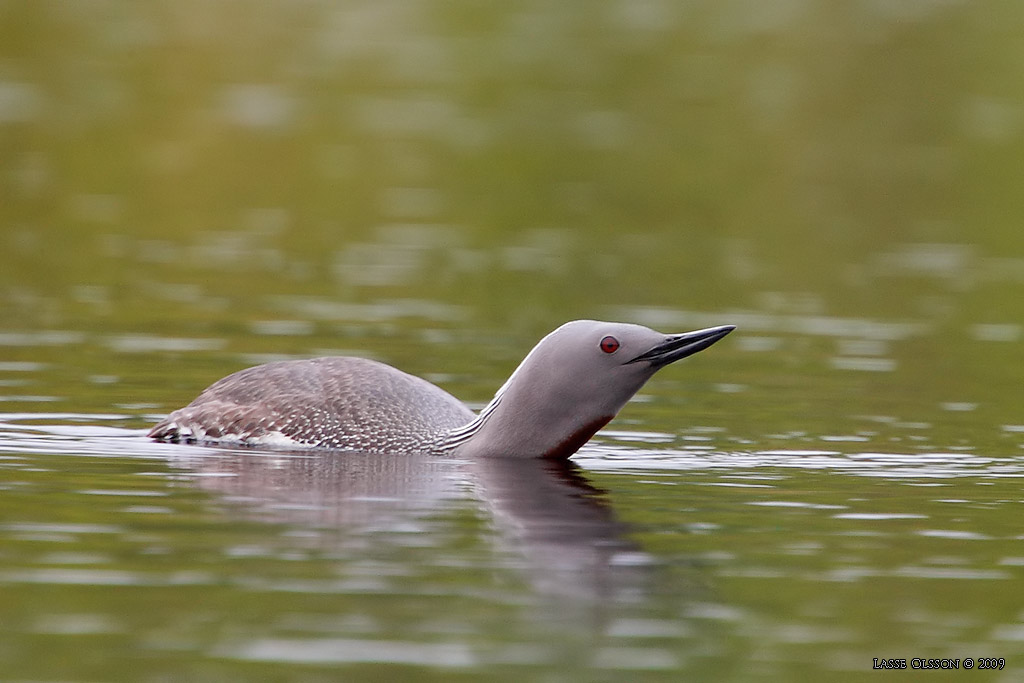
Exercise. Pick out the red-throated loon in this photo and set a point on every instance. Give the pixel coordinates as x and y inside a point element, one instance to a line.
<point>571,384</point>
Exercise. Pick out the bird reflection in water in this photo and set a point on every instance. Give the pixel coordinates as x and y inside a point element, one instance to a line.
<point>544,514</point>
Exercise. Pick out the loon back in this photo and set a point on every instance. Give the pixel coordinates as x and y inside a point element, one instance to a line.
<point>338,402</point>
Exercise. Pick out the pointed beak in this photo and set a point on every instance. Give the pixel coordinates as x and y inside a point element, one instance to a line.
<point>679,346</point>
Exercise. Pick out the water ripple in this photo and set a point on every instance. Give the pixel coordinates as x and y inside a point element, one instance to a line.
<point>938,465</point>
<point>351,651</point>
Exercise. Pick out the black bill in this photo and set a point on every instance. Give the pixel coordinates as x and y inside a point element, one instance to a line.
<point>682,345</point>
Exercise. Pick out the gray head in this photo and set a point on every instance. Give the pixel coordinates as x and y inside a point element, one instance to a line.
<point>571,384</point>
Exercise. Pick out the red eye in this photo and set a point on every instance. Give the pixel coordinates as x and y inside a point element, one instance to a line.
<point>609,344</point>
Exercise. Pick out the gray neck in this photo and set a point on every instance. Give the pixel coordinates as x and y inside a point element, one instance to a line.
<point>514,423</point>
<point>458,439</point>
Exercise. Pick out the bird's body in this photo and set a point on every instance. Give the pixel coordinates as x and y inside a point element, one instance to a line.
<point>336,402</point>
<point>570,385</point>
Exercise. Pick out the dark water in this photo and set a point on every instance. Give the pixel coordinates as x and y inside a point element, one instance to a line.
<point>189,188</point>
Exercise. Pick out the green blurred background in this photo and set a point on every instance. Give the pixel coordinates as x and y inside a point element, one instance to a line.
<point>459,178</point>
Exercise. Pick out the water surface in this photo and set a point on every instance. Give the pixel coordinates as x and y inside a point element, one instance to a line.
<point>188,189</point>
